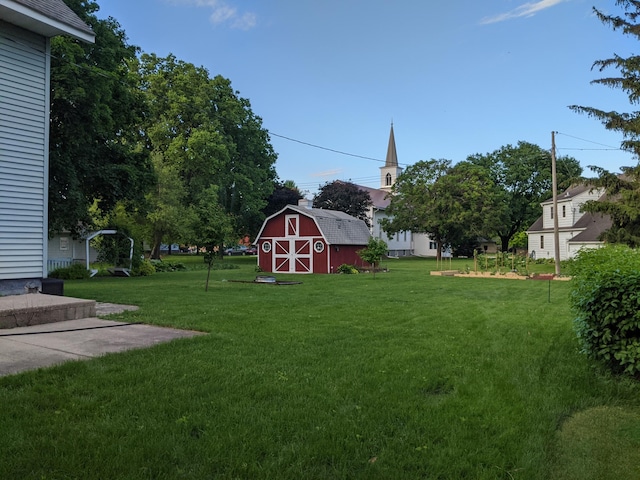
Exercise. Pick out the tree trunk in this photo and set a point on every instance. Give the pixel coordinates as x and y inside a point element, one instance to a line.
<point>155,248</point>
<point>504,240</point>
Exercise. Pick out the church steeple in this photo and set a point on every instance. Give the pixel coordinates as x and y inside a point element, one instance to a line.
<point>391,170</point>
<point>392,155</point>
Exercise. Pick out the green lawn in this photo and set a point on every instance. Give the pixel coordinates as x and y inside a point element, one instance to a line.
<point>404,376</point>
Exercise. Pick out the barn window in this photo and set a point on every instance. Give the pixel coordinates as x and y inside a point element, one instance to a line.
<point>318,246</point>
<point>291,225</point>
<point>266,247</point>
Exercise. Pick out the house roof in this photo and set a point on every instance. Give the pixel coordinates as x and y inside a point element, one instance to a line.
<point>46,17</point>
<point>570,193</point>
<point>537,225</point>
<point>337,228</point>
<point>378,196</point>
<point>594,224</point>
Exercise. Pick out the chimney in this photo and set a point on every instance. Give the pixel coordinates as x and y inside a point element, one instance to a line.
<point>305,203</point>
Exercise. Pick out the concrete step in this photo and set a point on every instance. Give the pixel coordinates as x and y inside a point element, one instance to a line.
<point>38,308</point>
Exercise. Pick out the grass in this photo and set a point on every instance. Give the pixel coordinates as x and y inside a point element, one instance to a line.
<point>405,376</point>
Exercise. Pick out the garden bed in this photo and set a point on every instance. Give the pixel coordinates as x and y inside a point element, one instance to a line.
<point>504,275</point>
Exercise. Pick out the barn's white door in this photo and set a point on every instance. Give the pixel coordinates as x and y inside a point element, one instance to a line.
<point>292,255</point>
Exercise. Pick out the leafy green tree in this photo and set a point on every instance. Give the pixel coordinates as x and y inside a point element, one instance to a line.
<point>213,226</point>
<point>373,253</point>
<point>450,204</point>
<point>345,197</point>
<point>522,179</point>
<point>170,217</point>
<point>95,152</point>
<point>202,131</point>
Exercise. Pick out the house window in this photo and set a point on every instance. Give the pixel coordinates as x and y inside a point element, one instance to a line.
<point>551,210</point>
<point>387,180</point>
<point>541,242</point>
<point>564,211</point>
<point>405,236</point>
<point>432,246</point>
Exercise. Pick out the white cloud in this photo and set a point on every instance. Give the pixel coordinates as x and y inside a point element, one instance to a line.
<point>524,10</point>
<point>246,21</point>
<point>223,14</point>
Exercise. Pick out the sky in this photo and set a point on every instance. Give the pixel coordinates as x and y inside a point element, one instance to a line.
<point>456,77</point>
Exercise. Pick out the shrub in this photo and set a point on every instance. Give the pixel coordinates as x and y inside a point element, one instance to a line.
<point>76,271</point>
<point>145,269</point>
<point>605,298</point>
<point>348,269</point>
<point>162,266</point>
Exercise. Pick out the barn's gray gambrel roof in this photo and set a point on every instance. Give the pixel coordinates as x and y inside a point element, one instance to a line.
<point>337,228</point>
<point>46,17</point>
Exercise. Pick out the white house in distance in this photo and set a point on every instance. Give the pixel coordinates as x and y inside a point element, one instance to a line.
<point>576,229</point>
<point>26,27</point>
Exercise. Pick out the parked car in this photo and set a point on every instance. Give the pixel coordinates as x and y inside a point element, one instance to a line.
<point>235,250</point>
<point>251,250</point>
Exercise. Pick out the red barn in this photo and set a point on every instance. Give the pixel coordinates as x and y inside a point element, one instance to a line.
<point>310,240</point>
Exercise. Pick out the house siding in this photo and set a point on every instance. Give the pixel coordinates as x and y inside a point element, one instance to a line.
<point>569,213</point>
<point>24,106</point>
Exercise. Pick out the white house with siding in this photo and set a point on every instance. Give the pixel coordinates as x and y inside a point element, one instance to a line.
<point>576,229</point>
<point>26,27</point>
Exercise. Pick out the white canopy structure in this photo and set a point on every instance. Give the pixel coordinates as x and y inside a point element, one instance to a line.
<point>125,271</point>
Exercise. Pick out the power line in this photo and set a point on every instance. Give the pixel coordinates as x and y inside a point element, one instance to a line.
<point>325,148</point>
<point>609,147</point>
<point>592,149</point>
<point>328,149</point>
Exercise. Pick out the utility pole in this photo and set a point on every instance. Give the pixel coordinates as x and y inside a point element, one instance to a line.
<point>554,186</point>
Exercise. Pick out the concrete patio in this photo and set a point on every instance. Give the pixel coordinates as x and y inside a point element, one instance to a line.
<point>45,330</point>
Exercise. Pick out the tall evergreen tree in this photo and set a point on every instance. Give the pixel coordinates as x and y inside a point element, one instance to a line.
<point>622,203</point>
<point>627,79</point>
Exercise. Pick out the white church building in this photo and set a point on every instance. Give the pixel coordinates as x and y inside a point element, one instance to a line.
<point>402,243</point>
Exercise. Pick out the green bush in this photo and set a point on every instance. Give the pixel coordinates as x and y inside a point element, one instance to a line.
<point>76,271</point>
<point>348,269</point>
<point>145,269</point>
<point>162,266</point>
<point>605,298</point>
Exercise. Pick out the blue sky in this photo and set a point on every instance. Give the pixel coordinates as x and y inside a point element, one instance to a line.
<point>456,78</point>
